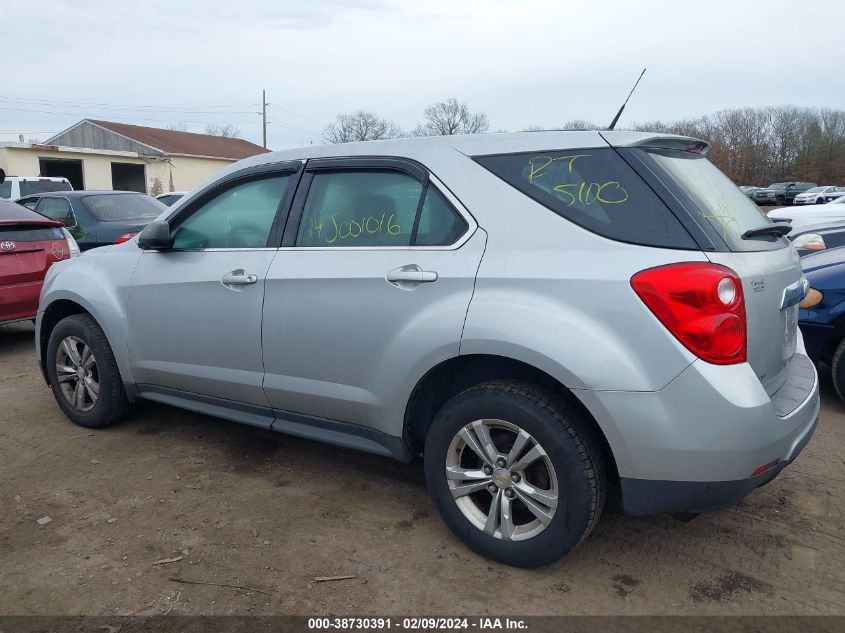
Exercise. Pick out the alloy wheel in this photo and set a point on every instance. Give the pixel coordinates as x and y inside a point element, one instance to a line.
<point>502,479</point>
<point>78,376</point>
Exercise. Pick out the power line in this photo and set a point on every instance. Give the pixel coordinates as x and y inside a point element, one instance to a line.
<point>301,116</point>
<point>293,127</point>
<point>123,106</point>
<point>115,116</point>
<point>128,109</point>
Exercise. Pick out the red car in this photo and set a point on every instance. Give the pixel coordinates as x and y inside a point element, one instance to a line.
<point>29,244</point>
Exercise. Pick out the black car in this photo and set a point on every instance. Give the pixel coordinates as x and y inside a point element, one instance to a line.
<point>780,193</point>
<point>819,237</point>
<point>97,218</point>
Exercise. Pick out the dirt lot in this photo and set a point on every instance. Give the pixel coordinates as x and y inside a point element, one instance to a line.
<point>243,507</point>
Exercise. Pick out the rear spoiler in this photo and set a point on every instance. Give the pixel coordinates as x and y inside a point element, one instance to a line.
<point>662,141</point>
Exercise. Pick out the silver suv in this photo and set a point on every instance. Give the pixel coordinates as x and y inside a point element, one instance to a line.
<point>537,315</point>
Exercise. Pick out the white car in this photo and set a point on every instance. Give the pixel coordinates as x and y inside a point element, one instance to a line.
<point>799,218</point>
<point>816,195</point>
<point>15,187</point>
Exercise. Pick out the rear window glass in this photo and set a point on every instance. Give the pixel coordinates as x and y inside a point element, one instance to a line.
<point>596,189</point>
<point>719,201</point>
<point>34,233</point>
<point>29,187</point>
<point>123,206</point>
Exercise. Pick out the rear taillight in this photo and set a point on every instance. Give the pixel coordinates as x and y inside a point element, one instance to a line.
<point>125,237</point>
<point>701,304</point>
<point>73,247</point>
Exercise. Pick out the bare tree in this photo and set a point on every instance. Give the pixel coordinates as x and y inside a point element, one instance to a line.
<point>360,126</point>
<point>226,131</point>
<point>450,117</point>
<point>180,126</point>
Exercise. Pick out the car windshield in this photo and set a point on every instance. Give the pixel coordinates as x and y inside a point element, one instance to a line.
<point>816,190</point>
<point>29,187</point>
<point>123,206</point>
<point>724,206</point>
<point>778,185</point>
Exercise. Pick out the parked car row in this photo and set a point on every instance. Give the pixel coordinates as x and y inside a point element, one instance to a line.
<point>783,193</point>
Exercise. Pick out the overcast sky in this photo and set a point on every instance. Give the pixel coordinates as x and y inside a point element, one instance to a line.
<point>522,63</point>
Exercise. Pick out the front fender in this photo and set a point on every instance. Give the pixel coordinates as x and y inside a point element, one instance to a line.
<point>97,282</point>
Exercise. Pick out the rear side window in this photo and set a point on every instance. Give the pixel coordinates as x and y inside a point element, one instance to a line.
<point>6,189</point>
<point>57,209</point>
<point>372,208</point>
<point>31,233</point>
<point>596,189</point>
<point>30,187</point>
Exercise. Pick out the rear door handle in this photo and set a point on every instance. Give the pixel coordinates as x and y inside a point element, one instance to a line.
<point>411,275</point>
<point>238,277</point>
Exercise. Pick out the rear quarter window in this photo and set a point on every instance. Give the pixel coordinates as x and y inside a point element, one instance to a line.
<point>597,190</point>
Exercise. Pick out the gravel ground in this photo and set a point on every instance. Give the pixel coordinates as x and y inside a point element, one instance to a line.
<point>234,505</point>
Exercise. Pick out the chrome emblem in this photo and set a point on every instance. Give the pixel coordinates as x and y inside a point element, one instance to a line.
<point>58,250</point>
<point>7,246</point>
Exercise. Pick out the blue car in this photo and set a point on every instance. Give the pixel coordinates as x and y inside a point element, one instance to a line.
<point>821,316</point>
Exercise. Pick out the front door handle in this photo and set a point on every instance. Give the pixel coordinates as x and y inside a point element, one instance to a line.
<point>410,276</point>
<point>238,277</point>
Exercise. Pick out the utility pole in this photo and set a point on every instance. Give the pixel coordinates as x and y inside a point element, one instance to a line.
<point>264,105</point>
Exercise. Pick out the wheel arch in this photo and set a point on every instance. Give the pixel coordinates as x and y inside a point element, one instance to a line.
<point>451,376</point>
<point>62,305</point>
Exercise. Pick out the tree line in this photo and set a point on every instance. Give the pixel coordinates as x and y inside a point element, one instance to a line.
<point>753,146</point>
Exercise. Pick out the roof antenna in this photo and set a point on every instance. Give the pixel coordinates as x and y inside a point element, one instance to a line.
<point>619,114</point>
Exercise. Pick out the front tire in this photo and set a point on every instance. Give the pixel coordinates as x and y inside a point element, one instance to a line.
<point>83,373</point>
<point>515,472</point>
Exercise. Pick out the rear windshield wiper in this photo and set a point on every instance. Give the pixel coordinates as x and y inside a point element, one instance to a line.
<point>777,230</point>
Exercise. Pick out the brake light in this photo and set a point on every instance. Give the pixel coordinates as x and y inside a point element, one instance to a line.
<point>701,304</point>
<point>125,237</point>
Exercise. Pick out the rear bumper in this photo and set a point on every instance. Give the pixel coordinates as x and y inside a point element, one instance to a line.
<point>645,496</point>
<point>695,444</point>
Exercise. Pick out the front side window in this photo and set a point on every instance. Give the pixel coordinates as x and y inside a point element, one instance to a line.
<point>57,209</point>
<point>239,217</point>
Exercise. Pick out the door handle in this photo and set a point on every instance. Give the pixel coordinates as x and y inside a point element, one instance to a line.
<point>238,277</point>
<point>411,275</point>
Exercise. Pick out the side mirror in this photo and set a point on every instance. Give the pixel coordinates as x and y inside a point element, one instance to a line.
<point>155,236</point>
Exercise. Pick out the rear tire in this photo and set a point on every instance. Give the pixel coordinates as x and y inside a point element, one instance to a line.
<point>837,370</point>
<point>83,373</point>
<point>537,449</point>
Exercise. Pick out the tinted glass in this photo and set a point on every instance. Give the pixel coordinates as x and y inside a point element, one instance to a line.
<point>123,206</point>
<point>596,189</point>
<point>168,200</point>
<point>239,217</point>
<point>29,204</point>
<point>20,233</point>
<point>440,224</point>
<point>29,187</point>
<point>359,208</point>
<point>718,200</point>
<point>6,189</point>
<point>58,209</point>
